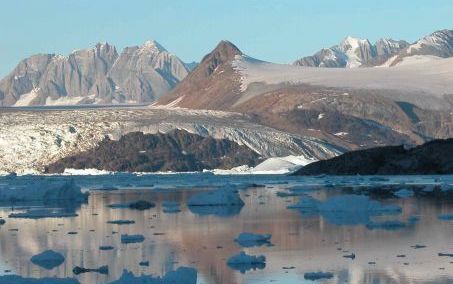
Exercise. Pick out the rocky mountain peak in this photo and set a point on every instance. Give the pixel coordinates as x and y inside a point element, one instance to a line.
<point>224,52</point>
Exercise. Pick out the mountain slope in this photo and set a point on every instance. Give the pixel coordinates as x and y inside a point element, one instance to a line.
<point>177,151</point>
<point>97,75</point>
<point>353,53</point>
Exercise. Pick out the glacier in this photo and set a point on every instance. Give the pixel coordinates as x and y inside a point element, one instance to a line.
<point>31,138</point>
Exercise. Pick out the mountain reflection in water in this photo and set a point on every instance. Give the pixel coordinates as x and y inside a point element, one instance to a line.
<point>203,238</point>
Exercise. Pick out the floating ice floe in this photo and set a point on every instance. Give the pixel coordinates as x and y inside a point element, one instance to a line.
<point>244,262</point>
<point>106,248</point>
<point>182,275</point>
<point>386,225</point>
<point>48,259</point>
<point>445,254</point>
<point>402,193</point>
<point>138,205</point>
<point>121,222</point>
<point>85,172</point>
<point>250,239</point>
<point>171,207</point>
<point>219,197</point>
<point>39,189</point>
<point>16,279</point>
<point>141,205</point>
<point>220,210</point>
<point>445,217</point>
<point>43,213</point>
<point>307,203</point>
<point>313,276</point>
<point>101,270</point>
<point>129,239</point>
<point>346,209</point>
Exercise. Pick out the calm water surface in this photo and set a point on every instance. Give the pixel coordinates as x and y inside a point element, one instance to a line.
<point>204,240</point>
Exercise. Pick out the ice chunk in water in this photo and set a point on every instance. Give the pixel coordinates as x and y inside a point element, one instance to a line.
<point>128,239</point>
<point>220,197</point>
<point>48,259</point>
<point>402,193</point>
<point>251,239</point>
<point>313,276</point>
<point>182,275</point>
<point>244,262</point>
<point>16,279</point>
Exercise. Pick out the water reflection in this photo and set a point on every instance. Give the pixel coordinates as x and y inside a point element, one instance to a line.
<point>206,241</point>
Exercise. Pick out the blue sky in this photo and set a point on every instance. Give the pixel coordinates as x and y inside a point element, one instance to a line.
<point>277,31</point>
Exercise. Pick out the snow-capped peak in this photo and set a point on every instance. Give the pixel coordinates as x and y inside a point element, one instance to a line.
<point>353,43</point>
<point>153,46</point>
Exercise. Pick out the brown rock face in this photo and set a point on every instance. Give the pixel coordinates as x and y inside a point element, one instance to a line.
<point>213,84</point>
<point>178,151</point>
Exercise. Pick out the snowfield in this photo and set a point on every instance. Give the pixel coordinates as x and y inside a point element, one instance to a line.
<point>420,80</point>
<point>32,138</point>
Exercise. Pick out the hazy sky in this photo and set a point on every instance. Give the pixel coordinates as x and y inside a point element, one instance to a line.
<point>278,31</point>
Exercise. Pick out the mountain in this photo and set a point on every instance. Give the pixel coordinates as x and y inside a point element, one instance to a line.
<point>432,47</point>
<point>94,76</point>
<point>213,84</point>
<point>353,53</point>
<point>430,158</point>
<point>177,151</point>
<point>352,108</point>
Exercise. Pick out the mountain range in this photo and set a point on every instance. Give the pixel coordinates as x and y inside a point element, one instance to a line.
<point>408,102</point>
<point>98,75</point>
<point>354,52</point>
<point>386,93</point>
